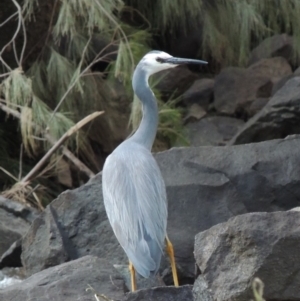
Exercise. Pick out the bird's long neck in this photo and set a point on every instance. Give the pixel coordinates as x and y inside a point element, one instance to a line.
<point>146,132</point>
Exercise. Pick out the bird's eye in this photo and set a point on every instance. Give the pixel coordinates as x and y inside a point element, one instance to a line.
<point>159,59</point>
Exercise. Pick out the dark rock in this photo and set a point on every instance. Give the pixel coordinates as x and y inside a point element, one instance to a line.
<point>12,257</point>
<point>162,294</point>
<point>257,105</point>
<point>73,226</point>
<point>18,209</point>
<point>215,130</point>
<point>141,282</point>
<point>271,67</point>
<point>68,282</point>
<point>174,82</point>
<point>226,95</point>
<point>201,93</point>
<point>13,223</point>
<point>263,245</point>
<point>45,244</point>
<point>279,118</point>
<point>277,45</point>
<point>236,88</point>
<point>206,186</point>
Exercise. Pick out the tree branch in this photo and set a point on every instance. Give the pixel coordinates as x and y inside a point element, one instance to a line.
<point>66,152</point>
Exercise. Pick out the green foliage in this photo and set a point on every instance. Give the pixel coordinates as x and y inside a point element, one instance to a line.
<point>229,28</point>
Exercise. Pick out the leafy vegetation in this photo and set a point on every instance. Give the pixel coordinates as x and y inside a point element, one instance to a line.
<point>230,28</point>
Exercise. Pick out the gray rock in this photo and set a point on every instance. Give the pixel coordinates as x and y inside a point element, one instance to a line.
<point>277,45</point>
<point>182,293</point>
<point>174,82</point>
<point>226,93</point>
<point>201,93</point>
<point>263,245</point>
<point>68,282</point>
<point>236,88</point>
<point>141,283</point>
<point>208,185</point>
<point>74,225</point>
<point>214,130</point>
<point>29,214</point>
<point>279,118</point>
<point>14,222</point>
<point>201,291</point>
<point>205,186</point>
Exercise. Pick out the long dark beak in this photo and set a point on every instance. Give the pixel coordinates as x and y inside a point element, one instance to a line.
<point>180,61</point>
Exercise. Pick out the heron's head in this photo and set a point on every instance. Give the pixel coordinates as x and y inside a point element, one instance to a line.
<point>155,61</point>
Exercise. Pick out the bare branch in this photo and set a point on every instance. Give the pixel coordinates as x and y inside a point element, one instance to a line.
<point>21,23</point>
<point>66,152</point>
<point>9,18</point>
<point>70,132</point>
<point>21,162</point>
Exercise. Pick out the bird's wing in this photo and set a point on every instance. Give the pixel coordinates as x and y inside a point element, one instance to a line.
<point>135,201</point>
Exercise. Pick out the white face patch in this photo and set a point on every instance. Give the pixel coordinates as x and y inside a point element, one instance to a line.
<point>151,65</point>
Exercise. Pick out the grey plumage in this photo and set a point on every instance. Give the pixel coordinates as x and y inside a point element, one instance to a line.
<point>133,188</point>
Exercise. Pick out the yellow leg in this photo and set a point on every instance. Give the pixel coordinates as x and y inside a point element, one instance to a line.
<point>132,274</point>
<point>170,251</point>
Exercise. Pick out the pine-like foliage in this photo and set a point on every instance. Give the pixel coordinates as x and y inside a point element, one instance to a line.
<point>230,28</point>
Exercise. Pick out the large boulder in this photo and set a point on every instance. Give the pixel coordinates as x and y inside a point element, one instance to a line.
<point>264,245</point>
<point>214,130</point>
<point>174,82</point>
<point>279,118</point>
<point>74,225</point>
<point>237,88</point>
<point>69,282</point>
<point>206,186</point>
<point>201,92</point>
<point>277,45</point>
<point>15,220</point>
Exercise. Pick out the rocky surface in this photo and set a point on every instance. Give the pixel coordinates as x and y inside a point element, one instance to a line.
<point>201,93</point>
<point>277,45</point>
<point>173,82</point>
<point>162,294</point>
<point>264,245</point>
<point>201,291</point>
<point>206,186</point>
<point>236,88</point>
<point>279,118</point>
<point>74,225</point>
<point>214,130</point>
<point>15,220</point>
<point>69,282</point>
